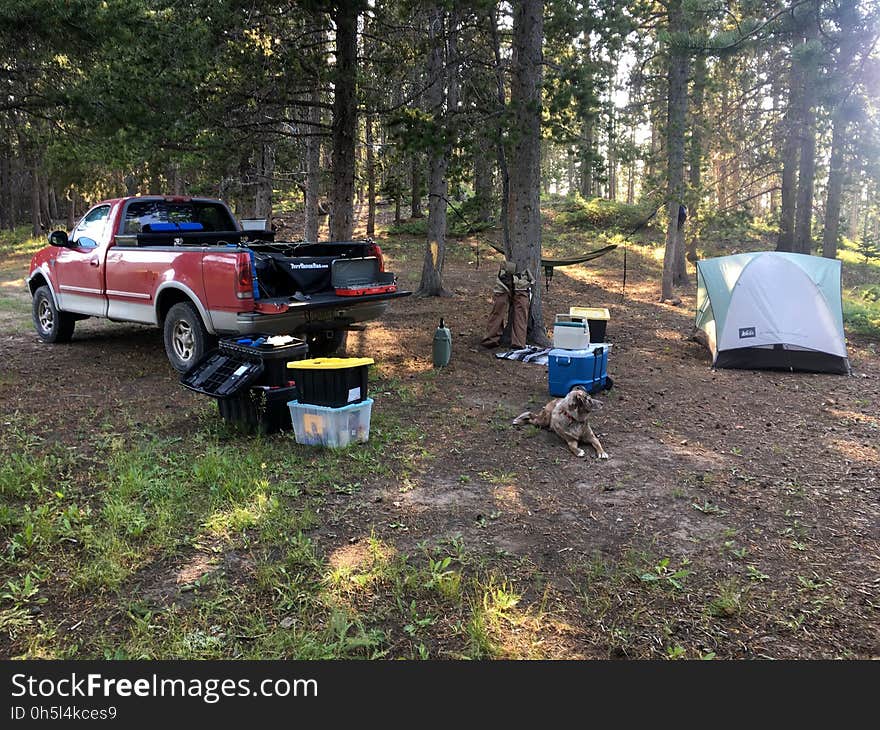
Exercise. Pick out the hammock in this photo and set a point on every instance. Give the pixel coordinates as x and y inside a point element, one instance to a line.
<point>550,264</point>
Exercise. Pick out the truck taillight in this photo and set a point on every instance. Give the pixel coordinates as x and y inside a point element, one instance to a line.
<point>244,278</point>
<point>377,252</point>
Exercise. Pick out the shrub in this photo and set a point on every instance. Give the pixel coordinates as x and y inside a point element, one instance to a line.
<point>577,212</point>
<point>861,313</point>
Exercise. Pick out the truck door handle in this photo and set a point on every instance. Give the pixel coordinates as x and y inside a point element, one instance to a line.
<point>94,261</point>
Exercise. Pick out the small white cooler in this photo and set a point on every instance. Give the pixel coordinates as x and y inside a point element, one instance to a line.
<point>571,332</point>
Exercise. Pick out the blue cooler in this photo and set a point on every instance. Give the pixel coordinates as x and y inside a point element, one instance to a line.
<point>588,367</point>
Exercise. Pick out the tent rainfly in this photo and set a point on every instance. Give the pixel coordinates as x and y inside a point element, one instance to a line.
<point>772,310</point>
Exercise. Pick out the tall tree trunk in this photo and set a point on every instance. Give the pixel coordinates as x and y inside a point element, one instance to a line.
<point>501,153</point>
<point>45,208</point>
<point>344,123</point>
<point>854,198</point>
<point>695,151</point>
<point>175,179</point>
<point>587,157</point>
<point>525,166</point>
<point>836,173</point>
<point>848,22</point>
<point>18,172</point>
<point>673,259</point>
<point>438,159</point>
<point>371,178</point>
<point>432,269</point>
<point>790,156</point>
<point>631,183</point>
<point>53,204</point>
<point>612,153</point>
<point>803,233</point>
<point>7,217</point>
<point>571,174</point>
<point>313,170</point>
<point>679,274</point>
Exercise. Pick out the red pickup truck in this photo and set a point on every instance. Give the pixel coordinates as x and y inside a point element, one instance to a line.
<point>187,265</point>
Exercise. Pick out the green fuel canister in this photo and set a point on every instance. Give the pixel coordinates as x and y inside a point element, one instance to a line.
<point>442,350</point>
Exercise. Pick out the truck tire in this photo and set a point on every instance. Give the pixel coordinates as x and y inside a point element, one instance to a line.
<point>186,339</point>
<point>329,342</point>
<point>52,325</point>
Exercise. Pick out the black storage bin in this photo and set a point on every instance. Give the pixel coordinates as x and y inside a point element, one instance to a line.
<point>597,329</point>
<point>331,381</point>
<point>221,375</point>
<point>597,321</point>
<point>273,358</point>
<point>250,381</point>
<point>259,410</point>
<point>354,273</point>
<point>357,277</point>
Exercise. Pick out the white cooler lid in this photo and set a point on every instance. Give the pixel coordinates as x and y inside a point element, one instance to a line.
<point>560,352</point>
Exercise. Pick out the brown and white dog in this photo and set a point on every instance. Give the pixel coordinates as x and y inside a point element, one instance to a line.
<point>567,418</point>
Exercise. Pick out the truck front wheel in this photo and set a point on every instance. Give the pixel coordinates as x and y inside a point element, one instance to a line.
<point>51,324</point>
<point>186,339</point>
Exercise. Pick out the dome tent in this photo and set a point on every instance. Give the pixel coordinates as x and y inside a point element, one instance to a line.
<point>772,310</point>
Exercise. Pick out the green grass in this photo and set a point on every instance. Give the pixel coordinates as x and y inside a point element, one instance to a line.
<point>14,305</point>
<point>20,241</point>
<point>861,313</point>
<point>203,547</point>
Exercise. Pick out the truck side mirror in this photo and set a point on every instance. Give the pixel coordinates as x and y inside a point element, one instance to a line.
<point>58,238</point>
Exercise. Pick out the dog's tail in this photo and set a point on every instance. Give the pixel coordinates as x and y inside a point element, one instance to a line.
<point>523,418</point>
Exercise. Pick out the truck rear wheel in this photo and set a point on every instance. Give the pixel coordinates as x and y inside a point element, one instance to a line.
<point>329,342</point>
<point>52,325</point>
<point>186,339</point>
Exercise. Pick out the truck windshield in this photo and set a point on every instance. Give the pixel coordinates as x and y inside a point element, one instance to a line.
<point>145,216</point>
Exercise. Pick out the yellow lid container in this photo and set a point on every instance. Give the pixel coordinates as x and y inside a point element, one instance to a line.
<point>330,363</point>
<point>590,312</point>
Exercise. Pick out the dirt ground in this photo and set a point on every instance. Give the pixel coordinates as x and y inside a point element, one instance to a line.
<point>759,490</point>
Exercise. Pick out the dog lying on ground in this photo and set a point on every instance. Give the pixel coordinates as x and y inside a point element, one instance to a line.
<point>567,418</point>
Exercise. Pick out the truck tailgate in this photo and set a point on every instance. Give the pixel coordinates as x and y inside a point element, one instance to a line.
<point>330,300</point>
<point>321,311</point>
